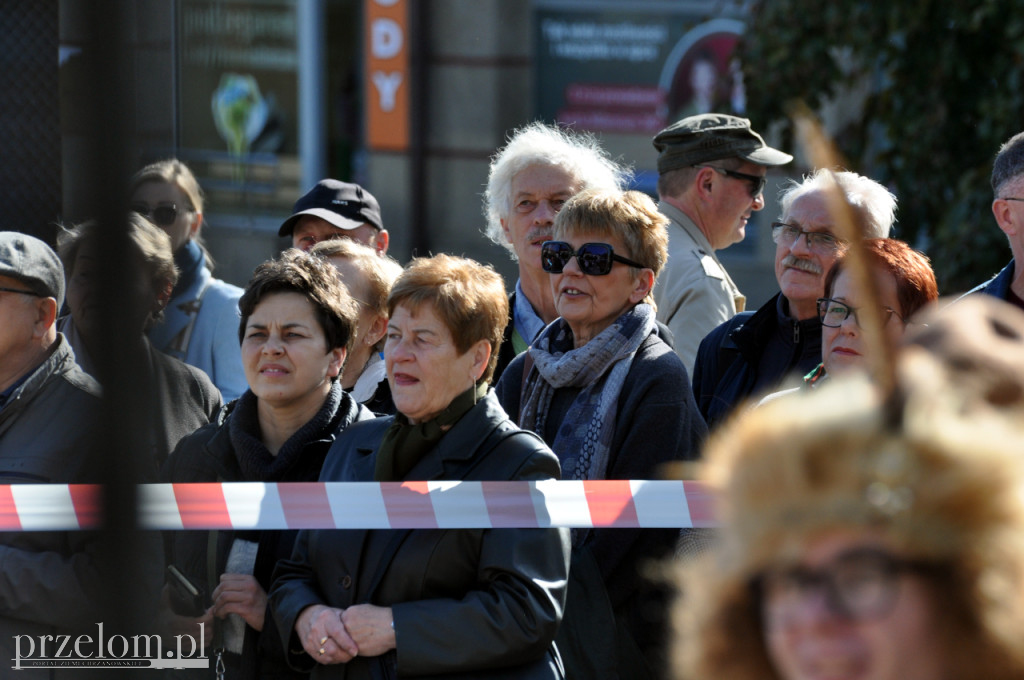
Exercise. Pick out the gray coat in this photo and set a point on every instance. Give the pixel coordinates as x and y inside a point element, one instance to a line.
<point>470,603</point>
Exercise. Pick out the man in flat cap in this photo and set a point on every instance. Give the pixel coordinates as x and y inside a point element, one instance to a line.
<point>335,209</point>
<point>47,406</point>
<point>711,177</point>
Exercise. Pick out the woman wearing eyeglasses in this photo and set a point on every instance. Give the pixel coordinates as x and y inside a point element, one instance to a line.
<point>613,401</point>
<point>201,320</point>
<point>864,537</point>
<point>905,283</point>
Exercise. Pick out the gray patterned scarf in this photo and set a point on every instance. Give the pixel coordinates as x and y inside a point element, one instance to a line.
<point>599,367</point>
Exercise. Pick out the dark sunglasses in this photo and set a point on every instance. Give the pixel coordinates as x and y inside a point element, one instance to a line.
<point>594,259</point>
<point>756,182</point>
<point>161,215</point>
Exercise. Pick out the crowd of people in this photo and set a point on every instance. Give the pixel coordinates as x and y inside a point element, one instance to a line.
<point>864,450</point>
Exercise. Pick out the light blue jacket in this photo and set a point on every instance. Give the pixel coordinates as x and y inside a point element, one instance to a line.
<point>212,343</point>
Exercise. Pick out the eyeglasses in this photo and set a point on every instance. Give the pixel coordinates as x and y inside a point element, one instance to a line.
<point>18,290</point>
<point>834,312</point>
<point>163,215</point>
<point>1011,198</point>
<point>859,585</point>
<point>594,259</point>
<point>821,242</point>
<point>757,182</point>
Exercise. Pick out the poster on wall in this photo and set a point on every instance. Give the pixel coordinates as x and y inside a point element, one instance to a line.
<point>632,69</point>
<point>238,100</point>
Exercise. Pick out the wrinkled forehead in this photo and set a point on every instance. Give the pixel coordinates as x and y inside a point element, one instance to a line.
<point>810,212</point>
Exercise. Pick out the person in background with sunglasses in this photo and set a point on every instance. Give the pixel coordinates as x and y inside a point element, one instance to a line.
<point>611,399</point>
<point>754,352</point>
<point>873,536</point>
<point>201,321</point>
<point>711,177</point>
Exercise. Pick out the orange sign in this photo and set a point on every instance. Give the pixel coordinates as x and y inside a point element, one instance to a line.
<point>387,74</point>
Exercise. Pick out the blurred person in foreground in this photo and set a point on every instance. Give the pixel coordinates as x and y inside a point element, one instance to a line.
<point>753,353</point>
<point>184,397</point>
<point>873,536</point>
<point>467,603</point>
<point>368,277</point>
<point>201,318</point>
<point>611,399</point>
<point>297,325</point>
<point>529,181</point>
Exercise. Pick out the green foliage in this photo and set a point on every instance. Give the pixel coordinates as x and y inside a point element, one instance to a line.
<point>945,91</point>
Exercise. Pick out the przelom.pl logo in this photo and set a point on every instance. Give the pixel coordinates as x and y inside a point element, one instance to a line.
<point>115,651</point>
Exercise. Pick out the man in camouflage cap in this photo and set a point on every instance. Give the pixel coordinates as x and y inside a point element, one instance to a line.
<point>711,175</point>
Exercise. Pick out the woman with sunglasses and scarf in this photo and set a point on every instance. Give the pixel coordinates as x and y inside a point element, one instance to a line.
<point>613,401</point>
<point>201,320</point>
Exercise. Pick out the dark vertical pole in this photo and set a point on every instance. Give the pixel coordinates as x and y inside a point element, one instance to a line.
<point>419,108</point>
<point>131,559</point>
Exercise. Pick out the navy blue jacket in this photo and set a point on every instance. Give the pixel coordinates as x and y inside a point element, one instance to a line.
<point>729,358</point>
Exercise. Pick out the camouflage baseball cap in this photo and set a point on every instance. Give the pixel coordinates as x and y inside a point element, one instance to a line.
<point>709,137</point>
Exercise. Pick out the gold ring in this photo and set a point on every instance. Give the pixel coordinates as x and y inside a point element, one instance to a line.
<point>321,650</point>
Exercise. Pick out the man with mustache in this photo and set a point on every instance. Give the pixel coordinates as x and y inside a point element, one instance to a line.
<point>754,352</point>
<point>529,180</point>
<point>711,176</point>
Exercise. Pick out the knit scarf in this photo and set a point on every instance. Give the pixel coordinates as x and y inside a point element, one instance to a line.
<point>404,444</point>
<point>189,260</point>
<point>583,442</point>
<point>256,461</point>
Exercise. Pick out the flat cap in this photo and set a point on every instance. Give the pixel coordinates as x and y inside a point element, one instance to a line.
<point>710,137</point>
<point>32,262</point>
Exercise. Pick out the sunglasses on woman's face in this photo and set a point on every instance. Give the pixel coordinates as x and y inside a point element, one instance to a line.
<point>594,259</point>
<point>163,215</point>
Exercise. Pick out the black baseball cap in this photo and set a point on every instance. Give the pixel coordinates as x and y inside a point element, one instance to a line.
<point>346,206</point>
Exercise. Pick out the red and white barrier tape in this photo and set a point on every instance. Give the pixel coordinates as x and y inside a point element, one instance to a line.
<point>370,505</point>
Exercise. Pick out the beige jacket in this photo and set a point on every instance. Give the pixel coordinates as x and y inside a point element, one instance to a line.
<point>694,293</point>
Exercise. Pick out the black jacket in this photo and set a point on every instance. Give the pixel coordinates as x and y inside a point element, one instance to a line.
<point>467,603</point>
<point>208,456</point>
<point>729,359</point>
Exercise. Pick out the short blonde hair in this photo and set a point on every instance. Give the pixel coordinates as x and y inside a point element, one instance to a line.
<point>379,271</point>
<point>467,296</point>
<point>630,215</point>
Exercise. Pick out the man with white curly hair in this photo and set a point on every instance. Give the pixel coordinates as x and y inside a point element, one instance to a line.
<point>754,352</point>
<point>530,178</point>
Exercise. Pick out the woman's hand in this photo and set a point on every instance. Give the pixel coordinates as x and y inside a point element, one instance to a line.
<point>370,628</point>
<point>176,624</point>
<point>240,594</point>
<point>323,635</point>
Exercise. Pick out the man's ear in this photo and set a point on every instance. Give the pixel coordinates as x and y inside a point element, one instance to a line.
<point>46,316</point>
<point>381,240</point>
<point>1003,213</point>
<point>704,182</point>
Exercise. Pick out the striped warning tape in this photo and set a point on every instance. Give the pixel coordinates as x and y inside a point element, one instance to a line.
<point>370,505</point>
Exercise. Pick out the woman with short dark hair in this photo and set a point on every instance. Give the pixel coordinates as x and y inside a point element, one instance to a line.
<point>296,327</point>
